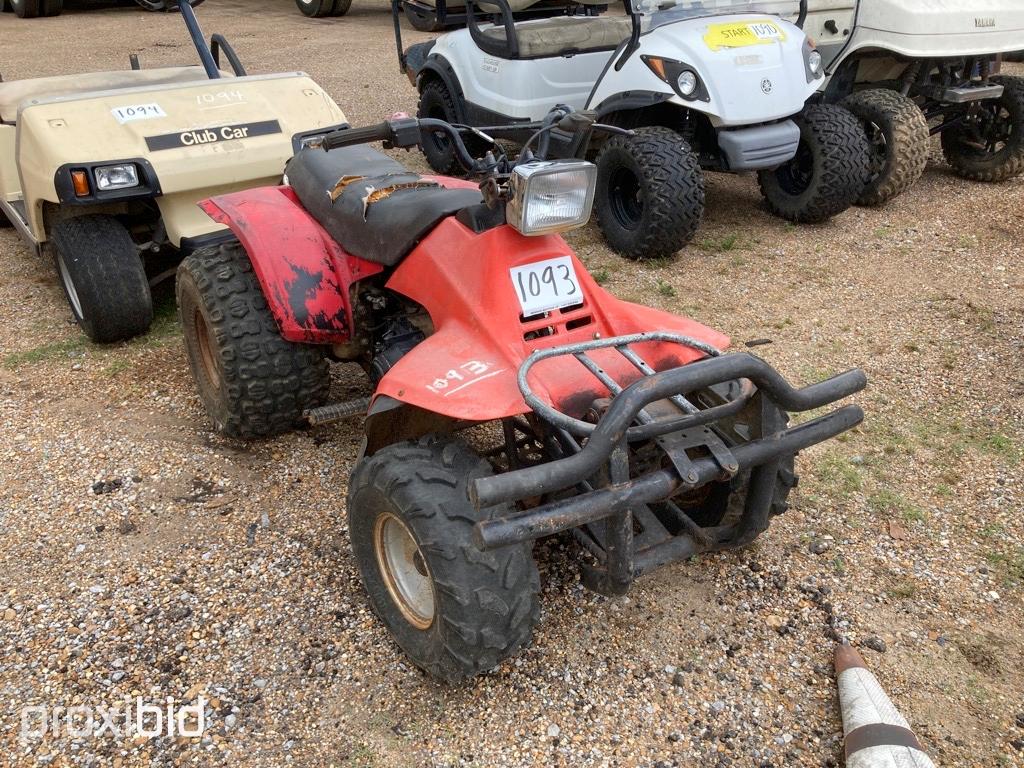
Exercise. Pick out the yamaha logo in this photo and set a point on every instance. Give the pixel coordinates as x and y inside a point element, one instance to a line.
<point>987,21</point>
<point>766,85</point>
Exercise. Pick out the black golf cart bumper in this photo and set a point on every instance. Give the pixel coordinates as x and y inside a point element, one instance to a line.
<point>605,452</point>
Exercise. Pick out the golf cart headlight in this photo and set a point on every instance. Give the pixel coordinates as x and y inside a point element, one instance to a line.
<point>814,62</point>
<point>687,82</point>
<point>551,196</point>
<point>110,177</point>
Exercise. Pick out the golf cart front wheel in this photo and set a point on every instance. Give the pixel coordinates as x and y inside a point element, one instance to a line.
<point>829,171</point>
<point>31,9</point>
<point>987,144</point>
<point>898,140</point>
<point>103,277</point>
<point>252,382</point>
<point>321,8</point>
<point>650,193</point>
<point>454,609</point>
<point>437,102</point>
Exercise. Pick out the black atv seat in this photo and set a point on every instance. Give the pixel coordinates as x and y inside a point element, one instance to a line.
<point>373,206</point>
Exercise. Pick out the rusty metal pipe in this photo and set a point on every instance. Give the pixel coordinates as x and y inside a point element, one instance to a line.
<point>610,430</point>
<point>586,508</point>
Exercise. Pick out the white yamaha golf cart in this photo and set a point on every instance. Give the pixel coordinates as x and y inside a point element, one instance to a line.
<point>913,68</point>
<point>703,84</point>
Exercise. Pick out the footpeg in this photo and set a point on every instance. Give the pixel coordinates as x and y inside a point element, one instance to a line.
<point>336,411</point>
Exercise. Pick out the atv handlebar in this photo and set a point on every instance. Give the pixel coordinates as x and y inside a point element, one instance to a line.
<point>407,132</point>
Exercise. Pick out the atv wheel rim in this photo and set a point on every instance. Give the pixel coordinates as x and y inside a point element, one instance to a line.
<point>69,287</point>
<point>626,198</point>
<point>404,570</point>
<point>206,356</point>
<point>988,131</point>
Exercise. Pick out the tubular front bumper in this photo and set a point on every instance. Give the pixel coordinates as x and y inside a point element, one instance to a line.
<point>623,422</point>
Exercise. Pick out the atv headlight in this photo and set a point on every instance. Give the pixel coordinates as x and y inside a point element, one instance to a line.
<point>814,62</point>
<point>109,177</point>
<point>550,196</point>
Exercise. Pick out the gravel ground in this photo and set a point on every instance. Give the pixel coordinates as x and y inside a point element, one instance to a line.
<point>144,556</point>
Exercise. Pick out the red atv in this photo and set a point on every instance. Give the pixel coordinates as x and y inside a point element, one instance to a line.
<point>625,425</point>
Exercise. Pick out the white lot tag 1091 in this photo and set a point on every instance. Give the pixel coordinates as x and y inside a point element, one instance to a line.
<point>546,285</point>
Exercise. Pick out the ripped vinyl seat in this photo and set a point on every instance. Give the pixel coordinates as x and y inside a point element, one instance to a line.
<point>373,206</point>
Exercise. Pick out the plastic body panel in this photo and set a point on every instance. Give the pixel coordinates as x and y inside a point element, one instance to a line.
<point>81,128</point>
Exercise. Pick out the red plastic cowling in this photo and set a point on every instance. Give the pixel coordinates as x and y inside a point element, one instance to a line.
<point>467,368</point>
<point>304,273</point>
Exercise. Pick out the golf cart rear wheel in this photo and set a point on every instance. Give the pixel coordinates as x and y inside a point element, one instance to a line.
<point>437,102</point>
<point>31,9</point>
<point>103,277</point>
<point>898,140</point>
<point>321,8</point>
<point>988,143</point>
<point>422,20</point>
<point>650,193</point>
<point>454,609</point>
<point>829,171</point>
<point>252,382</point>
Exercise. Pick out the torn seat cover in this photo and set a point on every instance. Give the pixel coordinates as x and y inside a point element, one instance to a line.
<point>373,206</point>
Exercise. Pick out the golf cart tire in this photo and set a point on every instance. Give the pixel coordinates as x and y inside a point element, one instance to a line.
<point>101,272</point>
<point>1008,162</point>
<point>671,185</point>
<point>903,129</point>
<point>321,8</point>
<point>31,9</point>
<point>422,21</point>
<point>484,603</point>
<point>437,101</point>
<point>253,382</point>
<point>839,149</point>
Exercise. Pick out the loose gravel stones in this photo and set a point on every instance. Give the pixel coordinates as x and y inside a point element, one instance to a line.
<point>237,584</point>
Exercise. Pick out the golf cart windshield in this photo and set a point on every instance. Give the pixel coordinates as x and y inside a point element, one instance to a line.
<point>678,10</point>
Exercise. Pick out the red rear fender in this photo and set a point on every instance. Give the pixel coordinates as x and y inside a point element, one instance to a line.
<point>467,368</point>
<point>305,275</point>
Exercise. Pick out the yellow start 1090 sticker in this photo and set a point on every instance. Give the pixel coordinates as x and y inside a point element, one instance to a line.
<point>743,33</point>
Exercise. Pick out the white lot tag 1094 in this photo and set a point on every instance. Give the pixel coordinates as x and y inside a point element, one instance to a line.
<point>137,112</point>
<point>546,285</point>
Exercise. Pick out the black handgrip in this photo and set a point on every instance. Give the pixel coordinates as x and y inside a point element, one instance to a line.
<point>347,137</point>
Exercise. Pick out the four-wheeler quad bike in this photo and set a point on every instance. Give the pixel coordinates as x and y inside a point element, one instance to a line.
<point>625,425</point>
<point>30,9</point>
<point>705,85</point>
<point>912,68</point>
<point>104,169</point>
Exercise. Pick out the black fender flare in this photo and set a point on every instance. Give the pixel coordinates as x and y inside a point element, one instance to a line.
<point>630,100</point>
<point>440,67</point>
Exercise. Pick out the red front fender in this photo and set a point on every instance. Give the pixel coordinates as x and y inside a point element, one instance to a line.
<point>304,273</point>
<point>467,368</point>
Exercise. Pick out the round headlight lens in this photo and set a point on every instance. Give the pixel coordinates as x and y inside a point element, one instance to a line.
<point>814,61</point>
<point>687,83</point>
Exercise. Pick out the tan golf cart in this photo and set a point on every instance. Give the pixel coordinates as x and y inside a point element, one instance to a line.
<point>103,170</point>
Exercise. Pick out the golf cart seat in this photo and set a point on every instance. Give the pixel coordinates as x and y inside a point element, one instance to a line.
<point>15,92</point>
<point>559,36</point>
<point>373,206</point>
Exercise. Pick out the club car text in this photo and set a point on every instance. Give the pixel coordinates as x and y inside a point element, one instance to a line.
<point>200,136</point>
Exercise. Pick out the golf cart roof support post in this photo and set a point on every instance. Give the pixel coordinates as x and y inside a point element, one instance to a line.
<point>634,40</point>
<point>396,10</point>
<point>196,33</point>
<point>508,22</point>
<point>802,16</point>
